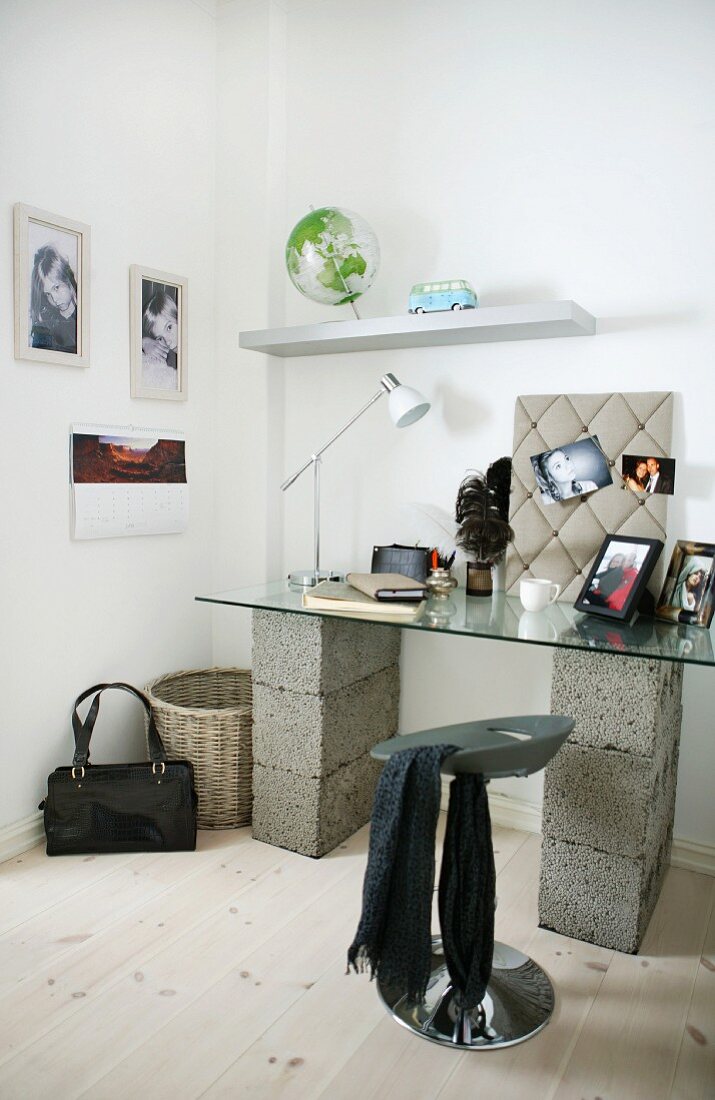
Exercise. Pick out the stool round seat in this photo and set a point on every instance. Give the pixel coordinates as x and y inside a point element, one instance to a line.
<point>519,999</point>
<point>494,747</point>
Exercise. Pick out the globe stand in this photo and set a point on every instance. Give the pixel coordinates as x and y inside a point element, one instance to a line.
<point>346,288</point>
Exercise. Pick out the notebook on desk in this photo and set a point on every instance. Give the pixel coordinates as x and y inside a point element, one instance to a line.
<point>341,597</point>
<point>388,586</point>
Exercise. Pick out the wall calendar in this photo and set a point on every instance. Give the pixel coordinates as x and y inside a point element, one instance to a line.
<point>127,481</point>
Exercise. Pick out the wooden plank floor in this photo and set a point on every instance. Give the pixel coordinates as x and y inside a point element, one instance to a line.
<point>221,973</point>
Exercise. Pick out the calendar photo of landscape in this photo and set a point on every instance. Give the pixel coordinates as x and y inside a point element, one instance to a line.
<point>107,459</point>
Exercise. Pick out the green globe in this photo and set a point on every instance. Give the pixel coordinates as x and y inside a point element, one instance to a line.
<point>332,256</point>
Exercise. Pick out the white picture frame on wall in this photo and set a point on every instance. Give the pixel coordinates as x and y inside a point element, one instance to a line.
<point>158,332</point>
<point>51,269</point>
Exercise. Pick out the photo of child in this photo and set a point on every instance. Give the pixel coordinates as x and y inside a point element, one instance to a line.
<point>53,288</point>
<point>160,335</point>
<point>52,265</point>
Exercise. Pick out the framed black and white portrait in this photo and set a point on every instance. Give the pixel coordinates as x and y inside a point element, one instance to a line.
<point>51,287</point>
<point>688,594</point>
<point>618,576</point>
<point>158,334</point>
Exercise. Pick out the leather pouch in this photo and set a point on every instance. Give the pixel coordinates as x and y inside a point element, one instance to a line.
<point>409,561</point>
<point>149,806</point>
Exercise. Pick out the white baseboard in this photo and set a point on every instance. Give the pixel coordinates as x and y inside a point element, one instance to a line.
<point>514,813</point>
<point>692,856</point>
<point>511,813</point>
<point>518,813</point>
<point>21,835</point>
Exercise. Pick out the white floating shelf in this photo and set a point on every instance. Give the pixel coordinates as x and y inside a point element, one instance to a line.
<point>467,326</point>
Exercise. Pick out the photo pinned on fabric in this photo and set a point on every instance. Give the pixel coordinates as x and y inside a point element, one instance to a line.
<point>158,334</point>
<point>688,594</point>
<point>618,576</point>
<point>51,288</point>
<point>571,470</point>
<point>645,473</point>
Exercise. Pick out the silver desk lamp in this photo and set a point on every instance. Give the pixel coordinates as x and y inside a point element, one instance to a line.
<point>405,406</point>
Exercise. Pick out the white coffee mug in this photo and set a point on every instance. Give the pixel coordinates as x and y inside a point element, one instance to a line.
<point>536,594</point>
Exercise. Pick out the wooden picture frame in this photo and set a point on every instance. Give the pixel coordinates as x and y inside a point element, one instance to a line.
<point>614,590</point>
<point>51,277</point>
<point>158,333</point>
<point>680,601</point>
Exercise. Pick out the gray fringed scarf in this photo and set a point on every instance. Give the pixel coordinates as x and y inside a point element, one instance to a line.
<point>394,934</point>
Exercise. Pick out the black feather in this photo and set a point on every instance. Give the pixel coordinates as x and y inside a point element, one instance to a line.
<point>483,533</point>
<point>499,481</point>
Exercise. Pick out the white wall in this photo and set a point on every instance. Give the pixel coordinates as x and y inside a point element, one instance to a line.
<point>542,150</point>
<point>549,150</point>
<point>249,294</point>
<point>105,120</point>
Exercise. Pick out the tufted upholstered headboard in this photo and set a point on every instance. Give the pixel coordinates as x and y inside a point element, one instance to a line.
<point>560,541</point>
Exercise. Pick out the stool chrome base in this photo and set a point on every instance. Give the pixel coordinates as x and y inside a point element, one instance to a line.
<point>518,1004</point>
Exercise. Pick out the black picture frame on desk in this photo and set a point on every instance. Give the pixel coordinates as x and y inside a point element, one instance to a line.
<point>618,577</point>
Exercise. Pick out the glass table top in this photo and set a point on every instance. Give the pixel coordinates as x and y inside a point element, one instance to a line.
<point>502,617</point>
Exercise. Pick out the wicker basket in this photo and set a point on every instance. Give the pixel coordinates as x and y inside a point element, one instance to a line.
<point>205,716</point>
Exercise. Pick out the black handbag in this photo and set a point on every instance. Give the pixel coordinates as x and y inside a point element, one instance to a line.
<point>145,807</point>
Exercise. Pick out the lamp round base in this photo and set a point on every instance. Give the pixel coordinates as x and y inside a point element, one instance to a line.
<point>308,578</point>
<point>518,1004</point>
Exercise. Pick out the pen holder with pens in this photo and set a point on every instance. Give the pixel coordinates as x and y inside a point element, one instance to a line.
<point>479,578</point>
<point>440,583</point>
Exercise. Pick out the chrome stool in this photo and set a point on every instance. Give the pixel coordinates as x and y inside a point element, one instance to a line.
<point>519,998</point>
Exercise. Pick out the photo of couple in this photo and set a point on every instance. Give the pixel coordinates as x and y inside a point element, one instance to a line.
<point>618,577</point>
<point>647,474</point>
<point>617,573</point>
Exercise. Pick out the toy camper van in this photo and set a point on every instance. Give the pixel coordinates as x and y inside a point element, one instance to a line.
<point>433,297</point>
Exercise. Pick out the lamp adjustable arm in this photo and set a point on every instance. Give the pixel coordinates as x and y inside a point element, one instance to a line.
<point>387,382</point>
<point>406,406</point>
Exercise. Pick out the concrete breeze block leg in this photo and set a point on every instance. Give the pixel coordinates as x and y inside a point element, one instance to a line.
<point>609,796</point>
<point>324,692</point>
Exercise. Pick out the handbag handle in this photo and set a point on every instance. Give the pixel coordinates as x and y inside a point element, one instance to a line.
<point>83,730</point>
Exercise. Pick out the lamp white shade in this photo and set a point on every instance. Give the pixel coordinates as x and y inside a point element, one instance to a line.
<point>406,406</point>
